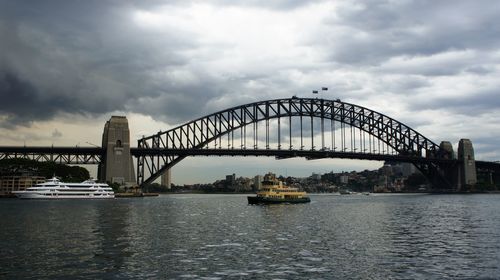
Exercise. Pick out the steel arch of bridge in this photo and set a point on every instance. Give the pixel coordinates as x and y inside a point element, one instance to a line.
<point>197,134</point>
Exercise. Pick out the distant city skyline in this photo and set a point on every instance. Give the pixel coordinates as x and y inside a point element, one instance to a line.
<point>67,66</point>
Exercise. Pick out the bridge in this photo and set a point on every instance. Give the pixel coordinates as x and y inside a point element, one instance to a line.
<point>283,128</point>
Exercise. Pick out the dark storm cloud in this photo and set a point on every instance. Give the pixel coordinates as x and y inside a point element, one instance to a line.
<point>22,102</point>
<point>19,96</point>
<point>84,58</point>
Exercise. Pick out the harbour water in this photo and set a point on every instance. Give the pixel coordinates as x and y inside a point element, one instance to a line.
<point>196,236</point>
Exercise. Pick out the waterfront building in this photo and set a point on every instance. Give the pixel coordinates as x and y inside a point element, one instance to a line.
<point>166,179</point>
<point>316,177</point>
<point>257,182</point>
<point>344,179</point>
<point>8,184</point>
<point>231,179</point>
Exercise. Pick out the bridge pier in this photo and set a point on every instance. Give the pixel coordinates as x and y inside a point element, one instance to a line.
<point>449,171</point>
<point>166,179</point>
<point>117,165</point>
<point>461,176</point>
<point>467,167</point>
<point>446,150</point>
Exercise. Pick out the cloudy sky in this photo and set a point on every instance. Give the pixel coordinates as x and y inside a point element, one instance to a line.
<point>67,66</point>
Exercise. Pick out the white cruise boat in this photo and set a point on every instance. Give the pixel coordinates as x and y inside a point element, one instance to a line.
<point>55,189</point>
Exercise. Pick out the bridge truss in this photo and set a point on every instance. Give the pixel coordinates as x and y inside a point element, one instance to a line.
<point>313,128</point>
<point>65,155</point>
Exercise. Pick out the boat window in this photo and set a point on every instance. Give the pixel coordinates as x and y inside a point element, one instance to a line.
<point>118,143</point>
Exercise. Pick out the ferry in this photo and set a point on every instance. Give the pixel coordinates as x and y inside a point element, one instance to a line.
<point>55,189</point>
<point>273,191</point>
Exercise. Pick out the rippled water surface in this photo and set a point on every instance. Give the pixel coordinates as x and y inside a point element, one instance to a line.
<point>222,237</point>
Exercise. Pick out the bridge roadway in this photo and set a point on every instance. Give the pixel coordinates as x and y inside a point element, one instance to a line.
<point>93,155</point>
<point>308,154</point>
<point>283,154</point>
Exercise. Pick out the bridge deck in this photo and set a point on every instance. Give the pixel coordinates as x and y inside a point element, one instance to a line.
<point>61,153</point>
<point>92,155</point>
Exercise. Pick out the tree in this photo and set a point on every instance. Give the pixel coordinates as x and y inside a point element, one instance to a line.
<point>67,173</point>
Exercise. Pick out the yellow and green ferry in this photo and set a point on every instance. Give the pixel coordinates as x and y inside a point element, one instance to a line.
<point>273,192</point>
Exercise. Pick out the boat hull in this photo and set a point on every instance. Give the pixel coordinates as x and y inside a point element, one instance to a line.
<point>55,189</point>
<point>267,200</point>
<point>34,195</point>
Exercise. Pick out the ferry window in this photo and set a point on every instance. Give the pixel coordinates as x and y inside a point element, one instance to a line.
<point>118,143</point>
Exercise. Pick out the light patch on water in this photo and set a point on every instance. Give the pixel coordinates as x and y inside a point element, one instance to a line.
<point>188,276</point>
<point>231,273</point>
<point>222,245</point>
<point>313,259</point>
<point>256,271</point>
<point>305,253</point>
<point>262,248</point>
<point>317,269</point>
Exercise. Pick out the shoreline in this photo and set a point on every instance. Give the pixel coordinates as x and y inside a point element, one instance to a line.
<point>138,195</point>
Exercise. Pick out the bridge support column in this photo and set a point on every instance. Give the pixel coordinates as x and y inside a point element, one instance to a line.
<point>117,165</point>
<point>446,150</point>
<point>467,168</point>
<point>166,179</point>
<point>449,172</point>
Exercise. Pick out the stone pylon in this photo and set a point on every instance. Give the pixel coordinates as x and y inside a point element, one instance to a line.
<point>467,168</point>
<point>446,150</point>
<point>166,179</point>
<point>117,165</point>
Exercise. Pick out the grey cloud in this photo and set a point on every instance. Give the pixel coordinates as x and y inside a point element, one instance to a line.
<point>369,32</point>
<point>175,107</point>
<point>486,148</point>
<point>472,104</point>
<point>277,4</point>
<point>261,4</point>
<point>478,69</point>
<point>407,84</point>
<point>25,138</point>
